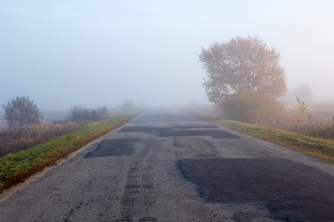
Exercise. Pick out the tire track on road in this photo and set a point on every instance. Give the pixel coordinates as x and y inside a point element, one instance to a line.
<point>138,198</point>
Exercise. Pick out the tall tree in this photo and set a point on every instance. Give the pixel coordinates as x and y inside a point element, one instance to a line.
<point>242,64</point>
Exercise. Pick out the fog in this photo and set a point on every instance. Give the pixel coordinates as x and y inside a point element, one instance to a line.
<point>94,53</point>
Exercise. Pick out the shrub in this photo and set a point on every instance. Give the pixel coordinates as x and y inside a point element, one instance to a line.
<point>128,105</point>
<point>252,106</point>
<point>100,113</point>
<point>78,113</point>
<point>22,111</point>
<point>58,121</point>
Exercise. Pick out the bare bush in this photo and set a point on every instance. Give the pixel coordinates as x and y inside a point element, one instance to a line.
<point>100,113</point>
<point>78,113</point>
<point>22,112</point>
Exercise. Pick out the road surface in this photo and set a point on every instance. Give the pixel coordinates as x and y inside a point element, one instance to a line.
<point>165,165</point>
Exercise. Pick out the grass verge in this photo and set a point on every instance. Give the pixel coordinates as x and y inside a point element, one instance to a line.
<point>321,148</point>
<point>15,168</point>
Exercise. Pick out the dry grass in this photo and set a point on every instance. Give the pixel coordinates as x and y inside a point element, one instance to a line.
<point>319,121</point>
<point>15,140</point>
<point>12,141</point>
<point>15,168</point>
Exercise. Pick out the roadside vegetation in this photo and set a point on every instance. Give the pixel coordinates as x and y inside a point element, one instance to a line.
<point>248,88</point>
<point>15,140</point>
<point>244,79</point>
<point>314,135</point>
<point>19,137</point>
<point>314,119</point>
<point>27,147</point>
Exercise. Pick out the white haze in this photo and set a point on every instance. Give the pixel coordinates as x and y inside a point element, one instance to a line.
<point>92,53</point>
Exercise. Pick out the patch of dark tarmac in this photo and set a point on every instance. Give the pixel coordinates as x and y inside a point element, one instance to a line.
<point>113,147</point>
<point>177,131</point>
<point>214,133</point>
<point>151,219</point>
<point>158,129</point>
<point>291,191</point>
<point>144,129</point>
<point>196,127</point>
<point>165,117</point>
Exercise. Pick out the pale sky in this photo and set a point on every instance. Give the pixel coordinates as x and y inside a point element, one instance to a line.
<point>92,53</point>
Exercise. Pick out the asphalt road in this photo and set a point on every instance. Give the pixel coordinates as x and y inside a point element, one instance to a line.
<point>165,165</point>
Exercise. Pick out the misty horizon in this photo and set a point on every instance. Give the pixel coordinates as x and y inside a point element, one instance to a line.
<point>102,53</point>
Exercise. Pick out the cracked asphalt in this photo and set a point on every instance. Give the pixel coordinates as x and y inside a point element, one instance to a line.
<point>166,165</point>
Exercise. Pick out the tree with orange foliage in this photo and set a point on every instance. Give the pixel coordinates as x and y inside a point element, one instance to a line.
<point>242,64</point>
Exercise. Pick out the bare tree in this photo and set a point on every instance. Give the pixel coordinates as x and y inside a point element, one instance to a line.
<point>21,112</point>
<point>242,64</point>
<point>304,93</point>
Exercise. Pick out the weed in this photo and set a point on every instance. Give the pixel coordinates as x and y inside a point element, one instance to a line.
<point>301,110</point>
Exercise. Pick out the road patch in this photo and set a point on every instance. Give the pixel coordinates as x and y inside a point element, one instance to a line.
<point>292,191</point>
<point>177,131</point>
<point>133,129</point>
<point>158,129</point>
<point>214,133</point>
<point>196,127</point>
<point>113,147</point>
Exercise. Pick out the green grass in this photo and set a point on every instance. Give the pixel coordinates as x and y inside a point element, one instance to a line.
<point>321,148</point>
<point>15,168</point>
